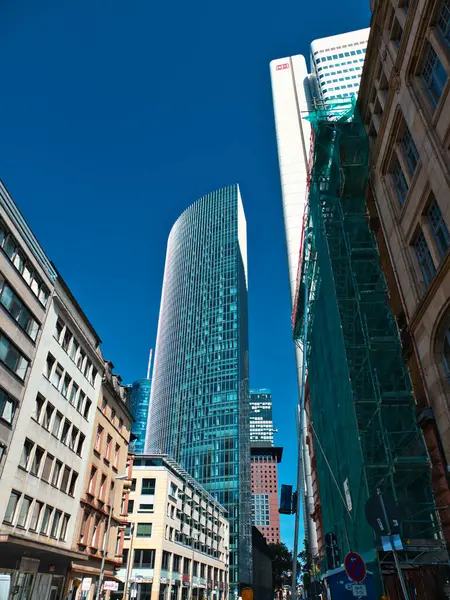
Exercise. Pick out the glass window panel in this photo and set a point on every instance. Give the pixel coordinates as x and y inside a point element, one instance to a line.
<point>11,507</point>
<point>46,519</point>
<point>35,515</point>
<point>23,512</point>
<point>438,227</point>
<point>424,258</point>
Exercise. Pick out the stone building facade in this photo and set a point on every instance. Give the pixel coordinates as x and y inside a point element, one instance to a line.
<point>404,102</point>
<point>103,491</point>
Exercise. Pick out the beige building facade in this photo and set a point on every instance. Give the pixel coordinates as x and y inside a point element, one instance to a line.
<point>103,492</point>
<point>177,537</point>
<point>404,102</point>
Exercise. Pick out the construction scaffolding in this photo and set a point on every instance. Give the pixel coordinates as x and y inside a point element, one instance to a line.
<point>362,411</point>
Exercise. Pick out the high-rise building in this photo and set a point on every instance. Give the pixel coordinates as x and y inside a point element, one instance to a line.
<point>199,408</point>
<point>294,92</point>
<point>140,405</point>
<point>261,421</point>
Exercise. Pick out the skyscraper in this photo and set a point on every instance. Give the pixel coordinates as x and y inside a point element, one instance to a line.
<point>294,92</point>
<point>264,470</point>
<point>261,420</point>
<point>199,399</point>
<point>140,405</point>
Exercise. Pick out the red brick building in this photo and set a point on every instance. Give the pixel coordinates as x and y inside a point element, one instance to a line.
<point>264,481</point>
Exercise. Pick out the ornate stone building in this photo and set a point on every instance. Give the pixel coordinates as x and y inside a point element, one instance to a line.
<point>404,102</point>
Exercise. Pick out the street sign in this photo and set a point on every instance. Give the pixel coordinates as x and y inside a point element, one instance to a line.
<point>355,567</point>
<point>111,585</point>
<point>133,593</point>
<point>86,584</point>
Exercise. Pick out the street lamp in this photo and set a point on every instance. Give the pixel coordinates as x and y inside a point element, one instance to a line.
<point>106,537</point>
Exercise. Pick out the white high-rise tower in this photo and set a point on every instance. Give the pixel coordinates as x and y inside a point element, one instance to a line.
<point>336,64</point>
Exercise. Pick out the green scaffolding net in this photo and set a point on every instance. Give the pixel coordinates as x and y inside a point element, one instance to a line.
<point>362,406</point>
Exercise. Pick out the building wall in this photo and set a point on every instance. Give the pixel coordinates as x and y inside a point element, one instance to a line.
<point>264,479</point>
<point>199,397</point>
<point>107,461</point>
<point>261,420</point>
<point>405,106</point>
<point>178,520</point>
<point>55,426</point>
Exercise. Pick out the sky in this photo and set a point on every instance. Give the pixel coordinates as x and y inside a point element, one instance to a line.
<point>116,115</point>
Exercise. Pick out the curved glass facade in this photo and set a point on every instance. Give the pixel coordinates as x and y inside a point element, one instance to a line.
<point>139,403</point>
<point>199,407</point>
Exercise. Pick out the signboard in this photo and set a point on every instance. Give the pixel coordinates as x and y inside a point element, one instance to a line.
<point>355,567</point>
<point>286,500</point>
<point>111,585</point>
<point>359,591</point>
<point>86,584</point>
<point>348,497</point>
<point>133,593</point>
<point>282,67</point>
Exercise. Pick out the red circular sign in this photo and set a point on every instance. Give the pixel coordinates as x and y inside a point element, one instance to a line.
<point>355,567</point>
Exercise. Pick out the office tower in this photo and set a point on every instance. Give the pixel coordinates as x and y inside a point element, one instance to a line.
<point>294,93</point>
<point>264,460</point>
<point>140,405</point>
<point>199,400</point>
<point>261,421</point>
<point>405,106</point>
<point>337,62</point>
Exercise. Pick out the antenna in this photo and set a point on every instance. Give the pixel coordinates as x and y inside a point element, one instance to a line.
<point>149,363</point>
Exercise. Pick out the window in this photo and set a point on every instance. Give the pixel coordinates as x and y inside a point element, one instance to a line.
<point>80,444</point>
<point>74,349</point>
<point>87,368</point>
<point>133,485</point>
<point>116,455</point>
<point>23,512</point>
<point>73,483</point>
<point>165,562</point>
<point>108,447</point>
<point>47,467</point>
<point>38,406</point>
<point>58,329</point>
<point>144,559</point>
<point>176,563</point>
<point>92,479</point>
<point>37,461</point>
<point>65,523</point>
<point>34,520</point>
<point>146,507</point>
<point>7,407</point>
<point>173,490</point>
<point>87,408</point>
<point>104,405</point>
<point>98,440</point>
<point>148,487</point>
<point>424,258</point>
<point>65,431</point>
<point>84,526</point>
<point>113,415</point>
<point>56,473</point>
<point>410,150</point>
<point>26,453</point>
<point>399,181</point>
<point>73,438</point>
<point>120,424</point>
<point>65,385</point>
<point>396,32</point>
<point>12,506</point>
<point>81,397</point>
<point>49,366</point>
<point>48,416</point>
<point>128,530</point>
<point>57,424</point>
<point>95,533</point>
<point>130,506</point>
<point>18,311</point>
<point>443,20</point>
<point>80,360</point>
<point>144,530</point>
<point>438,227</point>
<point>103,487</point>
<point>66,340</point>
<point>65,479</point>
<point>73,393</point>
<point>46,519</point>
<point>57,376</point>
<point>55,525</point>
<point>433,74</point>
<point>93,375</point>
<point>12,357</point>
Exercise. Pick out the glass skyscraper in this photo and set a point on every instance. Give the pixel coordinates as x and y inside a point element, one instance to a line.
<point>199,406</point>
<point>139,403</point>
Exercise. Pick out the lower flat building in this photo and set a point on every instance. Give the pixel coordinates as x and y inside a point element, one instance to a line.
<point>264,482</point>
<point>177,537</point>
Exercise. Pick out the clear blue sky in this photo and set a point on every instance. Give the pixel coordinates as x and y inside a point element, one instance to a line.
<point>115,115</point>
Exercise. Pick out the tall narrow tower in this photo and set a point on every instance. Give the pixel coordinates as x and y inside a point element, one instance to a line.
<point>199,406</point>
<point>140,404</point>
